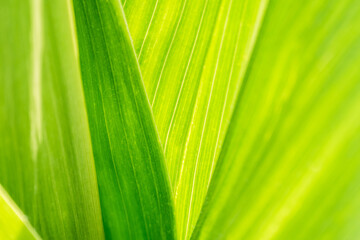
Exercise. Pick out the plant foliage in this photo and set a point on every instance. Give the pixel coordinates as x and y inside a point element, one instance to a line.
<point>162,119</point>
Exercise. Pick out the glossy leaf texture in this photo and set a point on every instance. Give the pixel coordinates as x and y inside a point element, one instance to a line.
<point>289,167</point>
<point>46,161</point>
<point>193,56</point>
<point>134,188</point>
<point>13,223</point>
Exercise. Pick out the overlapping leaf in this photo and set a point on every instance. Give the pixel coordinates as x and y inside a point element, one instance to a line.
<point>288,111</point>
<point>193,56</point>
<point>13,223</point>
<point>134,189</point>
<point>46,161</point>
<point>290,164</point>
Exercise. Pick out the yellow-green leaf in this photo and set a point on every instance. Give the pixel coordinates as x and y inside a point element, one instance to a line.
<point>289,167</point>
<point>193,56</point>
<point>13,223</point>
<point>46,161</point>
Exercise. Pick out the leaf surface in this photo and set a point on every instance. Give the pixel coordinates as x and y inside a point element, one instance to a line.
<point>193,56</point>
<point>13,223</point>
<point>289,167</point>
<point>46,161</point>
<point>134,188</point>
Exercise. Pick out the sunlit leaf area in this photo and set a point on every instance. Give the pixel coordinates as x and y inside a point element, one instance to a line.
<point>180,120</point>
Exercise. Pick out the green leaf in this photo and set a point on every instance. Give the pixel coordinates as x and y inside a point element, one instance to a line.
<point>193,56</point>
<point>46,161</point>
<point>289,167</point>
<point>13,223</point>
<point>264,92</point>
<point>134,188</point>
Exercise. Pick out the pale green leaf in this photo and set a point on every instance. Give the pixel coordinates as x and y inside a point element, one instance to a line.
<point>13,223</point>
<point>290,164</point>
<point>193,56</point>
<point>46,161</point>
<point>134,188</point>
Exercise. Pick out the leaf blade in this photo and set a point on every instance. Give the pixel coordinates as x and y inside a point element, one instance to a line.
<point>125,141</point>
<point>14,224</point>
<point>193,65</point>
<point>295,124</point>
<point>46,156</point>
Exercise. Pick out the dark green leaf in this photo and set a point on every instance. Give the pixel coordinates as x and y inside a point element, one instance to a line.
<point>134,188</point>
